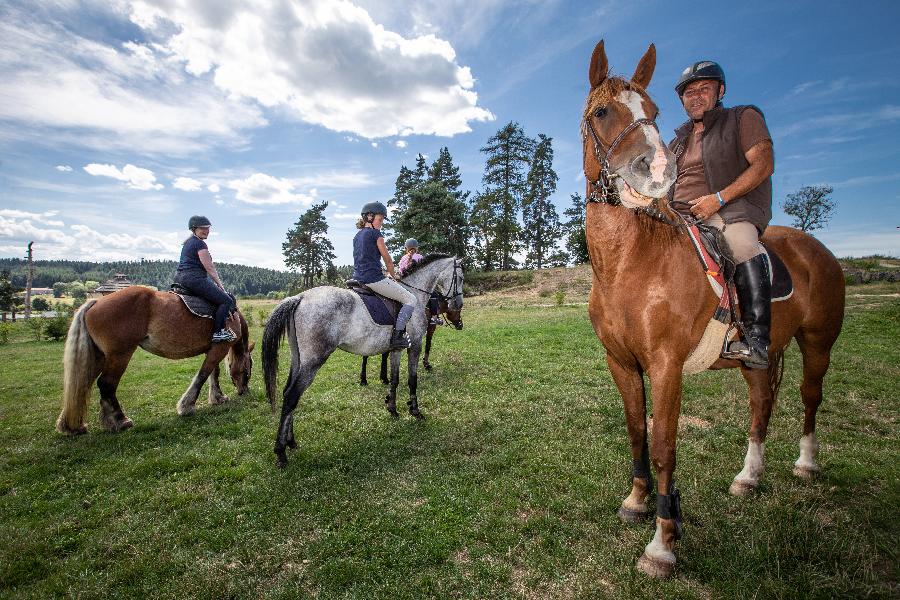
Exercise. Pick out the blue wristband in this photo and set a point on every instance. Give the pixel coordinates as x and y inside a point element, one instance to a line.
<point>719,196</point>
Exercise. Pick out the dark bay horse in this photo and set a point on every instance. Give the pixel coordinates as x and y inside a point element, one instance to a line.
<point>324,319</point>
<point>105,333</point>
<point>453,317</point>
<point>650,301</point>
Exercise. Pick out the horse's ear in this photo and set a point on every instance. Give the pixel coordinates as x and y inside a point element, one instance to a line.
<point>599,66</point>
<point>644,71</point>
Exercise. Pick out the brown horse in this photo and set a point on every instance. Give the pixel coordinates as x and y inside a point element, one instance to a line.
<point>650,302</point>
<point>105,333</point>
<point>453,317</point>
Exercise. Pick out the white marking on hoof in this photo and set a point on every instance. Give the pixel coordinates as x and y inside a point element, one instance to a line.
<point>754,464</point>
<point>185,407</point>
<point>657,560</point>
<point>219,400</point>
<point>634,507</point>
<point>806,466</point>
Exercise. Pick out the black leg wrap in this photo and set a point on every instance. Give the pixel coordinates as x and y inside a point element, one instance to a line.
<point>641,470</point>
<point>669,507</point>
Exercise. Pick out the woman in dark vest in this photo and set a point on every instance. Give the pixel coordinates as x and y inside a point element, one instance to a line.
<point>197,274</point>
<point>368,251</point>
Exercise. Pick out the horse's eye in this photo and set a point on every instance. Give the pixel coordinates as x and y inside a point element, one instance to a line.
<point>600,112</point>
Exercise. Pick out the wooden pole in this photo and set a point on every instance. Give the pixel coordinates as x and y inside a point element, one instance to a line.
<point>28,282</point>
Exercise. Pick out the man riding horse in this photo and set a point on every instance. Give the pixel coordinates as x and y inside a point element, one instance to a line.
<point>725,162</point>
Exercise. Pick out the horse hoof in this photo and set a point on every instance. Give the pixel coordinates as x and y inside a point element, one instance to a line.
<point>124,424</point>
<point>626,515</point>
<point>292,444</point>
<point>655,567</point>
<point>184,409</point>
<point>417,415</point>
<point>741,487</point>
<point>428,367</point>
<point>280,459</point>
<point>363,383</point>
<point>807,473</point>
<point>65,430</point>
<point>219,400</point>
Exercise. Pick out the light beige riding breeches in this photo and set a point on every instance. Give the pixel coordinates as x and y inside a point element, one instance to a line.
<point>393,290</point>
<point>742,237</point>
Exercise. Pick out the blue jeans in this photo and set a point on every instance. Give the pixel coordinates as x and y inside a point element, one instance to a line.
<point>206,289</point>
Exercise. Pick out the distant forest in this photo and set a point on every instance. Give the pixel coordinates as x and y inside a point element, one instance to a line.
<point>238,279</point>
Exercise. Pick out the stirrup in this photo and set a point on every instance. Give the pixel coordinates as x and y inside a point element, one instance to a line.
<point>744,352</point>
<point>399,340</point>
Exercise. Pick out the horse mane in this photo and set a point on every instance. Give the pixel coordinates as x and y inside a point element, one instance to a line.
<point>425,261</point>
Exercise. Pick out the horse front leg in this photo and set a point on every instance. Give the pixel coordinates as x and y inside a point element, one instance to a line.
<point>383,374</point>
<point>762,398</point>
<point>631,386</point>
<point>391,400</point>
<point>428,336</point>
<point>187,403</point>
<point>413,381</point>
<point>216,396</point>
<point>658,559</point>
<point>362,372</point>
<point>112,417</point>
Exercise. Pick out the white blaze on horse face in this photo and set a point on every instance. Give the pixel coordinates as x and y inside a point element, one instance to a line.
<point>635,103</point>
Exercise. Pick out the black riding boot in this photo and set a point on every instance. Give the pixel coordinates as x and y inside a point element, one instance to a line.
<point>754,290</point>
<point>399,340</point>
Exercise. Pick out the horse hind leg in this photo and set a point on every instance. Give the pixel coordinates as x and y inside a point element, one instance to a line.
<point>300,378</point>
<point>216,396</point>
<point>413,381</point>
<point>112,418</point>
<point>186,405</point>
<point>816,358</point>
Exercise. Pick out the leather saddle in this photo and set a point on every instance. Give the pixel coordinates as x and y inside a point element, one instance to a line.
<point>382,310</point>
<point>200,307</point>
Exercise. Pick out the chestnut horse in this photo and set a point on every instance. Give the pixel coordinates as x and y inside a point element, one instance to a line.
<point>105,333</point>
<point>650,301</point>
<point>453,317</point>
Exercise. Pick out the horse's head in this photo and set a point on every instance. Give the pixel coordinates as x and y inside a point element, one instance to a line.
<point>623,151</point>
<point>450,283</point>
<point>453,316</point>
<point>240,360</point>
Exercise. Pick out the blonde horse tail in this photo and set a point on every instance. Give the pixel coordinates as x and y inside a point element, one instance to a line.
<point>80,369</point>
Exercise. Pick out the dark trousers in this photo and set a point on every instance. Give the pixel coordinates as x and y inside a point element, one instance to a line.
<point>206,289</point>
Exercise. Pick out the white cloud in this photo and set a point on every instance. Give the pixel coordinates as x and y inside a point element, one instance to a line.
<point>282,55</point>
<point>134,177</point>
<point>214,188</point>
<point>64,168</point>
<point>374,144</point>
<point>260,188</point>
<point>45,218</point>
<point>400,143</point>
<point>345,216</point>
<point>187,184</point>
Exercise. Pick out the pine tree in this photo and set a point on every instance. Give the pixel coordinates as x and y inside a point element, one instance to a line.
<point>509,153</point>
<point>436,219</point>
<point>483,219</point>
<point>443,171</point>
<point>576,242</point>
<point>307,248</point>
<point>542,229</point>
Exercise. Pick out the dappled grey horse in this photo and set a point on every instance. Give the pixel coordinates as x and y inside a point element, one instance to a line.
<point>323,319</point>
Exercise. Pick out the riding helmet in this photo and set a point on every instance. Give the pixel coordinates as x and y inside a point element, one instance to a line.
<point>198,221</point>
<point>411,243</point>
<point>374,208</point>
<point>705,69</point>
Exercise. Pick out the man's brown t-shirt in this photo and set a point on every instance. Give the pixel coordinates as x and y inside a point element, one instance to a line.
<point>691,181</point>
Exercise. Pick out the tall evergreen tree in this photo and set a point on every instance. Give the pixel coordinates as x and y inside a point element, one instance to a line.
<point>509,153</point>
<point>307,248</point>
<point>483,219</point>
<point>443,171</point>
<point>542,229</point>
<point>435,218</point>
<point>421,172</point>
<point>576,242</point>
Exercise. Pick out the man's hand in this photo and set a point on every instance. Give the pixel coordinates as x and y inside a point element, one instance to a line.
<point>705,206</point>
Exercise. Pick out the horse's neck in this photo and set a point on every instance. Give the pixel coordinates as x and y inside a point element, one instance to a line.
<point>426,278</point>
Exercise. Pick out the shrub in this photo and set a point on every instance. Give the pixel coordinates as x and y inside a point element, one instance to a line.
<point>40,304</point>
<point>57,327</point>
<point>4,333</point>
<point>263,315</point>
<point>35,327</point>
<point>560,297</point>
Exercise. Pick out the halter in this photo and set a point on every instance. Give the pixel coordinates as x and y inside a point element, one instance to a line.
<point>455,289</point>
<point>602,189</point>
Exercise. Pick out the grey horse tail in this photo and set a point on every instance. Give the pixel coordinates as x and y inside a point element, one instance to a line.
<point>276,328</point>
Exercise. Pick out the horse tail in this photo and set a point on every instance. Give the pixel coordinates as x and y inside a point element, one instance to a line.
<point>276,328</point>
<point>80,362</point>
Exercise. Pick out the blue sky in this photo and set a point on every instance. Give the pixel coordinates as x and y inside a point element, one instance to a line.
<point>120,119</point>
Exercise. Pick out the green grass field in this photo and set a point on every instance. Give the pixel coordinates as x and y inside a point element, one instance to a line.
<point>508,490</point>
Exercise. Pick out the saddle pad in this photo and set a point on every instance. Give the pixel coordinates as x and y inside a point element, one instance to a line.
<point>382,310</point>
<point>782,284</point>
<point>198,306</point>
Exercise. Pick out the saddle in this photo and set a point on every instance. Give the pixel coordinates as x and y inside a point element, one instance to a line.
<point>200,307</point>
<point>382,310</point>
<point>717,260</point>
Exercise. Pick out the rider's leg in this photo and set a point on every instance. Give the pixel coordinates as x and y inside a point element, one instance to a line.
<point>752,279</point>
<point>391,289</point>
<point>207,290</point>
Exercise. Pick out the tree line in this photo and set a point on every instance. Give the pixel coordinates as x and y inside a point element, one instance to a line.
<point>242,280</point>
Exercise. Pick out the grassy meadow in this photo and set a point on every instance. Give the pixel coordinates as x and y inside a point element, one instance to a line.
<point>509,489</point>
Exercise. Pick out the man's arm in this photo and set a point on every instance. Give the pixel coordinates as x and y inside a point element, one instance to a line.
<point>762,164</point>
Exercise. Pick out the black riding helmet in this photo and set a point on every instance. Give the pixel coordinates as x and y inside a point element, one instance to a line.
<point>705,69</point>
<point>198,221</point>
<point>373,208</point>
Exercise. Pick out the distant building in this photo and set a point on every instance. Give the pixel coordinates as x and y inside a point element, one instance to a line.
<point>118,282</point>
<point>36,291</point>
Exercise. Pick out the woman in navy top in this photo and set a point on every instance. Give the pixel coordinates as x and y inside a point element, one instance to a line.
<point>368,251</point>
<point>197,274</point>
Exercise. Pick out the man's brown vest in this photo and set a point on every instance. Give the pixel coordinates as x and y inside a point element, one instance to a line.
<point>724,161</point>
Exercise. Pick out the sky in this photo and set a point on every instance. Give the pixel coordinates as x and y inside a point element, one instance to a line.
<point>121,119</point>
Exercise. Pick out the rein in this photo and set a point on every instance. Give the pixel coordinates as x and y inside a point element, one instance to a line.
<point>454,286</point>
<point>603,190</point>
